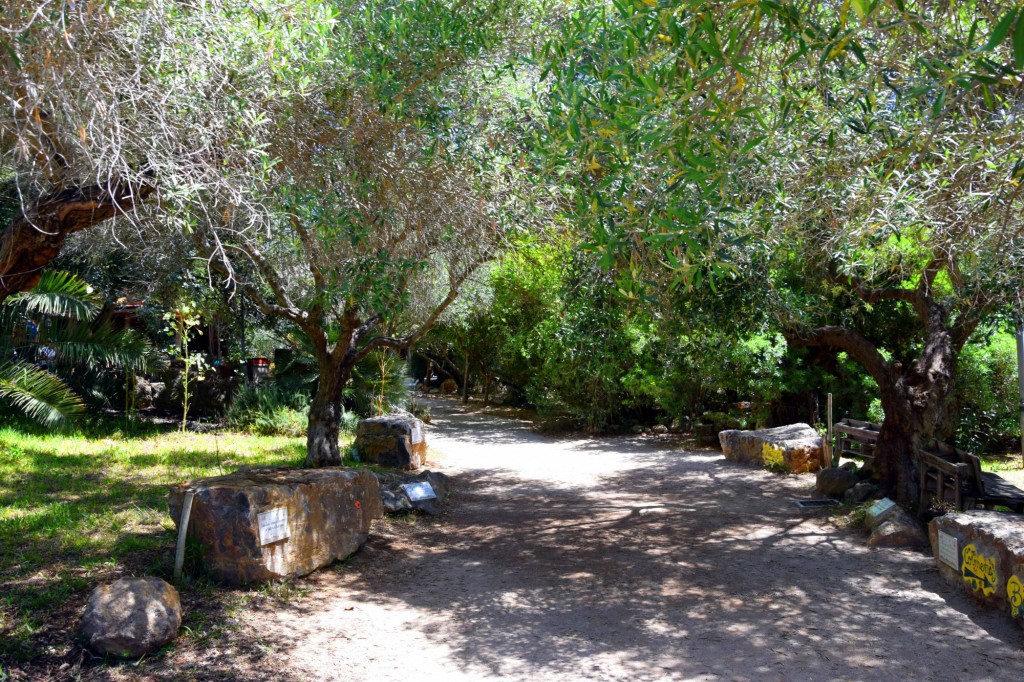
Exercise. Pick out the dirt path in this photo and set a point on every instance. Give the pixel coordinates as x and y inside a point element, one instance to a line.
<point>626,560</point>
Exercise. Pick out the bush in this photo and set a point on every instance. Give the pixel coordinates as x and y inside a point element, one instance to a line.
<point>987,397</point>
<point>266,409</point>
<point>379,385</point>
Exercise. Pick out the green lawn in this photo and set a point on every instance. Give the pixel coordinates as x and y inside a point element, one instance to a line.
<point>1009,466</point>
<point>76,510</point>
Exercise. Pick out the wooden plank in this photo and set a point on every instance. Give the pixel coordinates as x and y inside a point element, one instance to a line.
<point>860,424</point>
<point>958,469</point>
<point>943,473</point>
<point>853,431</point>
<point>997,487</point>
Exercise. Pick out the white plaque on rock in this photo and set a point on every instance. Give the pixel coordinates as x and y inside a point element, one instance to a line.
<point>273,525</point>
<point>880,507</point>
<point>949,553</point>
<point>419,491</point>
<point>416,435</point>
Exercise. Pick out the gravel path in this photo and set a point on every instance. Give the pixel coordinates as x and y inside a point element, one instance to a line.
<point>626,559</point>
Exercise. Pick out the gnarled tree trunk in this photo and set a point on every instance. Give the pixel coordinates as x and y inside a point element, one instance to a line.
<point>917,406</point>
<point>37,235</point>
<point>325,416</point>
<point>916,399</point>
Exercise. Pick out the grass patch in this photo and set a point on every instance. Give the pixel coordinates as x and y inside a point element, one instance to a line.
<point>77,509</point>
<point>1008,466</point>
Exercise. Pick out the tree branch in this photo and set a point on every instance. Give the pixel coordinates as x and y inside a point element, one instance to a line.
<point>37,235</point>
<point>843,339</point>
<point>455,284</point>
<point>915,297</point>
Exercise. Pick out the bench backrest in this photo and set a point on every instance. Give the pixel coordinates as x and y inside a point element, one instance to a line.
<point>863,432</point>
<point>857,423</point>
<point>974,465</point>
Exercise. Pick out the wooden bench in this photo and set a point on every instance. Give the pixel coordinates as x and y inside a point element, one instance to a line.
<point>941,479</point>
<point>952,472</point>
<point>856,438</point>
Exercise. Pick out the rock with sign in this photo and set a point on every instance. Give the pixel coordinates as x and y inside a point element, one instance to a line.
<point>989,549</point>
<point>393,440</point>
<point>891,526</point>
<point>796,448</point>
<point>395,492</point>
<point>273,523</point>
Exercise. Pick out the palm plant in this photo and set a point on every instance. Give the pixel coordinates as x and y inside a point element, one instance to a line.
<point>52,330</point>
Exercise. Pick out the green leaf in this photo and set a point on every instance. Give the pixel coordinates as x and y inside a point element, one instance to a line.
<point>12,53</point>
<point>39,394</point>
<point>59,294</point>
<point>1000,31</point>
<point>939,105</point>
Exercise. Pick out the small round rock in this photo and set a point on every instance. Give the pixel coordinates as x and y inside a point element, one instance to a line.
<point>131,617</point>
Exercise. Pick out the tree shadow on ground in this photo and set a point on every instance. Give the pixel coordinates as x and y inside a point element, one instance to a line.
<point>69,525</point>
<point>670,565</point>
<point>683,567</point>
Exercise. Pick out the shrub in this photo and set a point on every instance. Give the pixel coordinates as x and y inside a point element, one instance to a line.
<point>986,395</point>
<point>266,409</point>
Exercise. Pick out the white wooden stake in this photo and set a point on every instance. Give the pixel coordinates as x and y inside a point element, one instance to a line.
<point>179,555</point>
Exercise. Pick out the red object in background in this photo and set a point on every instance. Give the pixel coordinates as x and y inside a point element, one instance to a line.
<point>257,369</point>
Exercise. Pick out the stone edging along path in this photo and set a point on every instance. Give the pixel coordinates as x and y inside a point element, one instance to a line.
<point>625,559</point>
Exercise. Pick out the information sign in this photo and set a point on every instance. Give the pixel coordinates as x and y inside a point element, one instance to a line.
<point>273,525</point>
<point>419,491</point>
<point>949,553</point>
<point>880,507</point>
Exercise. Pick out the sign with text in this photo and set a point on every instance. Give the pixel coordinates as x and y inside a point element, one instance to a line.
<point>880,507</point>
<point>273,525</point>
<point>949,552</point>
<point>419,491</point>
<point>416,435</point>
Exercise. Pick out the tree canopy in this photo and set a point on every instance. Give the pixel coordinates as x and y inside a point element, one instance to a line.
<point>843,175</point>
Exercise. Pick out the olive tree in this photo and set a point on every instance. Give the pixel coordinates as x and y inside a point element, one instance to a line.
<point>107,106</point>
<point>896,198</point>
<point>862,159</point>
<point>396,190</point>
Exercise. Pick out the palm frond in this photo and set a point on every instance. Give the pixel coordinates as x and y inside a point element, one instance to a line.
<point>59,294</point>
<point>96,345</point>
<point>41,395</point>
<point>10,317</point>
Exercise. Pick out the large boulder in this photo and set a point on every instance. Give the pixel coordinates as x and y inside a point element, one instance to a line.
<point>894,527</point>
<point>796,448</point>
<point>834,481</point>
<point>392,440</point>
<point>860,493</point>
<point>131,617</point>
<point>272,523</point>
<point>982,552</point>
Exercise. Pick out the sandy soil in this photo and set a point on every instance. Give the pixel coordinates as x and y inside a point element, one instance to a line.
<point>611,559</point>
<point>626,559</point>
